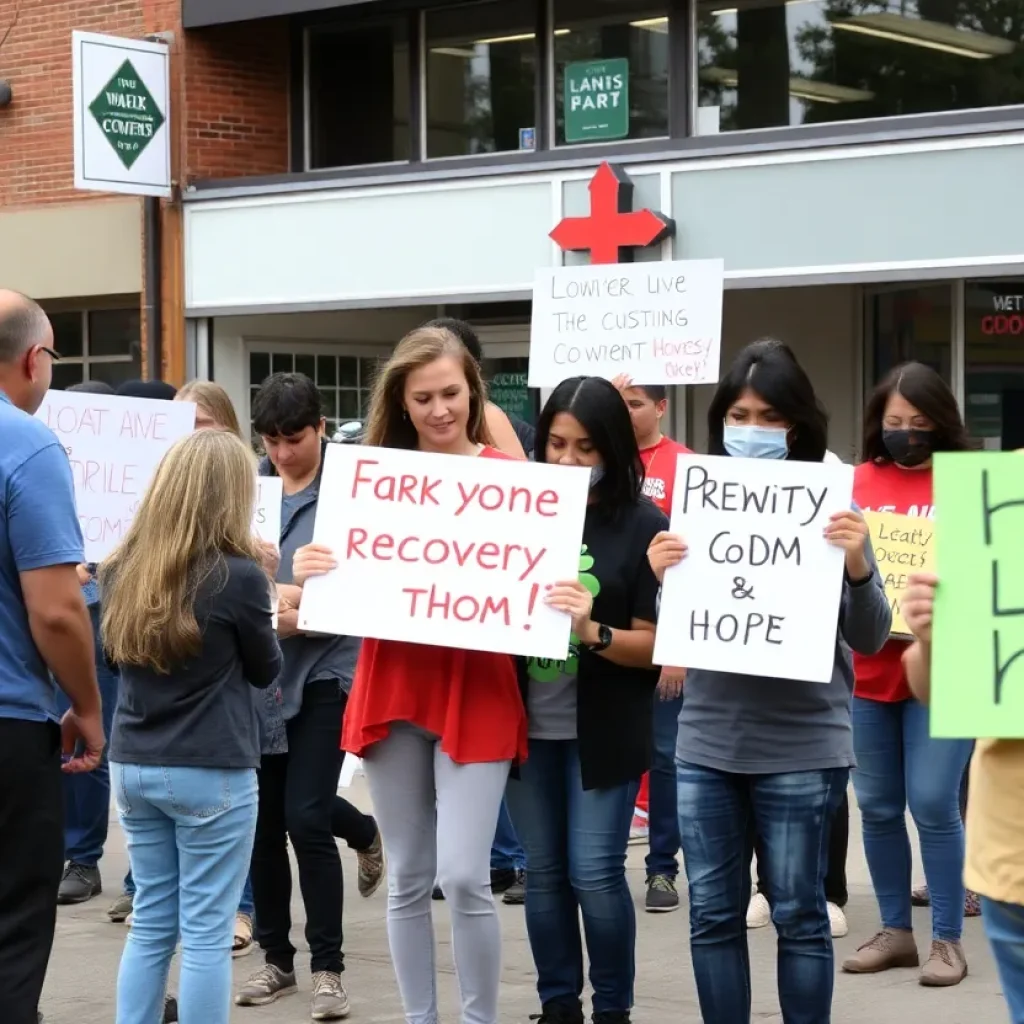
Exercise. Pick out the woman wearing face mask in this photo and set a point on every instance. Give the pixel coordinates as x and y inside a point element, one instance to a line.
<point>590,719</point>
<point>438,728</point>
<point>774,752</point>
<point>911,414</point>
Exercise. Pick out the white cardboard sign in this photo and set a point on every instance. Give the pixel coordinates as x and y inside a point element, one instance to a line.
<point>658,322</point>
<point>266,519</point>
<point>759,591</point>
<point>447,550</point>
<point>114,445</point>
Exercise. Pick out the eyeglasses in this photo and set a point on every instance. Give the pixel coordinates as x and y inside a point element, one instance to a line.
<point>55,356</point>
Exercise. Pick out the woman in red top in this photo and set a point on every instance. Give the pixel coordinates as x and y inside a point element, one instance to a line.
<point>911,415</point>
<point>438,728</point>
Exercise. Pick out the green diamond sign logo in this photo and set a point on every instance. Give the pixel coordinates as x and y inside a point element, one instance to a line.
<point>127,114</point>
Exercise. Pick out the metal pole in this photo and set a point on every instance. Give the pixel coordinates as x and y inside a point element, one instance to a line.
<point>152,249</point>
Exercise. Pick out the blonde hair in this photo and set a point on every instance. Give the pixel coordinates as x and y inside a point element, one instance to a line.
<point>214,401</point>
<point>387,425</point>
<point>197,509</point>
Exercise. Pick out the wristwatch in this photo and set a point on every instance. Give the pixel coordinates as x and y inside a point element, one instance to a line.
<point>604,640</point>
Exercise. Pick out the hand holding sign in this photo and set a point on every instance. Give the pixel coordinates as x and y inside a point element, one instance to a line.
<point>667,549</point>
<point>848,530</point>
<point>919,604</point>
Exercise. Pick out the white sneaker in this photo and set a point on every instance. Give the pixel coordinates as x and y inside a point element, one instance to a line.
<point>759,914</point>
<point>837,919</point>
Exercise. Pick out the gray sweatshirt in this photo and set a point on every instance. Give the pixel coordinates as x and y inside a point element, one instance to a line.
<point>752,725</point>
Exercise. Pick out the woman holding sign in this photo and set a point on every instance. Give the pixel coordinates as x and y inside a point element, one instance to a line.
<point>911,415</point>
<point>767,760</point>
<point>437,728</point>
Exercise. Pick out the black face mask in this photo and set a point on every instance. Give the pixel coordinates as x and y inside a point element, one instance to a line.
<point>909,447</point>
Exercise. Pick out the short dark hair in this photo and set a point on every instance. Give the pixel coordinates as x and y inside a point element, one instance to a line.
<point>655,392</point>
<point>602,413</point>
<point>22,325</point>
<point>92,387</point>
<point>463,331</point>
<point>927,392</point>
<point>286,404</point>
<point>770,368</point>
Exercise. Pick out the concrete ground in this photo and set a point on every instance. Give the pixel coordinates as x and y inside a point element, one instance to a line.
<point>83,970</point>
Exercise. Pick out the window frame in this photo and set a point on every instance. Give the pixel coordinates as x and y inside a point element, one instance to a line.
<point>86,360</point>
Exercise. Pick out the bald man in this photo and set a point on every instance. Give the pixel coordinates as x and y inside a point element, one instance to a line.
<point>45,634</point>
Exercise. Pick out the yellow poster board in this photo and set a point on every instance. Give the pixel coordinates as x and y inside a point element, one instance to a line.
<point>902,545</point>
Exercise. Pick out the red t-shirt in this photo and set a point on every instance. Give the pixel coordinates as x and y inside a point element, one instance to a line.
<point>884,487</point>
<point>470,699</point>
<point>660,471</point>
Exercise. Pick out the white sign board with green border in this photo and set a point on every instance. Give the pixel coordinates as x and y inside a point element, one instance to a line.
<point>122,118</point>
<point>596,100</point>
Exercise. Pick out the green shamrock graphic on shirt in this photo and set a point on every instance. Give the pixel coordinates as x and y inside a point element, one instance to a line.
<point>546,670</point>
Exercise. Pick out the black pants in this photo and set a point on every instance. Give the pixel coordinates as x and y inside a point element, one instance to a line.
<point>838,844</point>
<point>31,861</point>
<point>298,801</point>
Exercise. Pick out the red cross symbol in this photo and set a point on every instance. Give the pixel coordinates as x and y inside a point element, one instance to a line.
<point>613,229</point>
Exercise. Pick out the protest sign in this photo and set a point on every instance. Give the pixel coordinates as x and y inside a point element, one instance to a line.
<point>978,624</point>
<point>758,593</point>
<point>266,519</point>
<point>902,545</point>
<point>446,550</point>
<point>660,323</point>
<point>114,445</point>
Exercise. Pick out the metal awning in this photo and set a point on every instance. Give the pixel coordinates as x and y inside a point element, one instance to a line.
<point>200,13</point>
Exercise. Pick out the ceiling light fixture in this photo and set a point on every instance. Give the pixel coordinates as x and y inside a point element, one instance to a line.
<point>931,35</point>
<point>800,88</point>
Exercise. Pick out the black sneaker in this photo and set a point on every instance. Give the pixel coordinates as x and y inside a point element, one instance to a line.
<point>515,894</point>
<point>612,1017</point>
<point>559,1013</point>
<point>79,884</point>
<point>662,897</point>
<point>503,879</point>
<point>437,894</point>
<point>170,1010</point>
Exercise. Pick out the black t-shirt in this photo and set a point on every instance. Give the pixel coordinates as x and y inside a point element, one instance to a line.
<point>613,702</point>
<point>526,433</point>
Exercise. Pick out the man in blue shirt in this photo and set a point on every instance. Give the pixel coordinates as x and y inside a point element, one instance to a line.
<point>44,629</point>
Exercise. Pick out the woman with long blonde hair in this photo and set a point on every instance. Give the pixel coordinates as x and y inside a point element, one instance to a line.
<point>438,728</point>
<point>187,621</point>
<point>214,408</point>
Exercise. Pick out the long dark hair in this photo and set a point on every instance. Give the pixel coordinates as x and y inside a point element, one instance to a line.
<point>769,368</point>
<point>930,395</point>
<point>602,413</point>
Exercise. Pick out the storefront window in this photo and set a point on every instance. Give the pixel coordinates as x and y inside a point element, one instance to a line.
<point>481,71</point>
<point>994,363</point>
<point>103,345</point>
<point>507,388</point>
<point>611,70</point>
<point>769,64</point>
<point>358,107</point>
<point>909,325</point>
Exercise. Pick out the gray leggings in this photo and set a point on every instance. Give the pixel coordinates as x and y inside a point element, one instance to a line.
<point>437,819</point>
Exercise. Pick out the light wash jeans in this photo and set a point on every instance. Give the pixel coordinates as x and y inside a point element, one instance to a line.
<point>190,834</point>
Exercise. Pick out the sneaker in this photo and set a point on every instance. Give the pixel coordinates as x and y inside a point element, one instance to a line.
<point>972,904</point>
<point>662,897</point>
<point>559,1013</point>
<point>371,867</point>
<point>267,985</point>
<point>515,894</point>
<point>502,879</point>
<point>889,948</point>
<point>639,830</point>
<point>121,908</point>
<point>437,894</point>
<point>919,897</point>
<point>170,1010</point>
<point>946,965</point>
<point>330,1000</point>
<point>759,914</point>
<point>837,921</point>
<point>612,1017</point>
<point>79,884</point>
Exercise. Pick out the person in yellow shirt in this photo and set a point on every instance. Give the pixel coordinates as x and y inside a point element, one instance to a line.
<point>994,866</point>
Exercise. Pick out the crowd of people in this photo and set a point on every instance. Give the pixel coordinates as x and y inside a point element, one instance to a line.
<point>228,724</point>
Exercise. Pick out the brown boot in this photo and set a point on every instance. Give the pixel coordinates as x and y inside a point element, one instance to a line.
<point>946,965</point>
<point>889,948</point>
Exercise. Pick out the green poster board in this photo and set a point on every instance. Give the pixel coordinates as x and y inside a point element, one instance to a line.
<point>978,631</point>
<point>597,100</point>
<point>509,392</point>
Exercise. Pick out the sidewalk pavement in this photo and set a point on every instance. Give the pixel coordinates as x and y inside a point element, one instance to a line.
<point>83,970</point>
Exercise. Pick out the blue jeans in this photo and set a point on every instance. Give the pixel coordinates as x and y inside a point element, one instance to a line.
<point>662,811</point>
<point>720,816</point>
<point>575,842</point>
<point>190,833</point>
<point>1004,926</point>
<point>506,850</point>
<point>900,765</point>
<point>245,906</point>
<point>87,795</point>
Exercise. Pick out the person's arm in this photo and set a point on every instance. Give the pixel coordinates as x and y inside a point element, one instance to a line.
<point>257,641</point>
<point>503,434</point>
<point>630,648</point>
<point>917,663</point>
